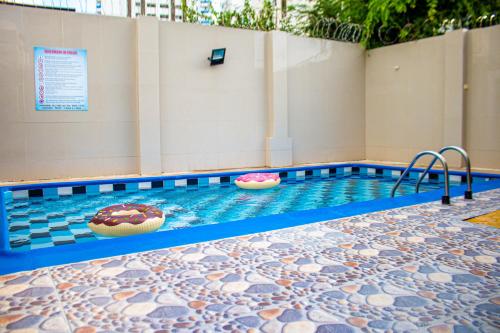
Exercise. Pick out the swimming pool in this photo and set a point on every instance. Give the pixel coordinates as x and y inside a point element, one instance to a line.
<point>39,222</point>
<point>44,217</point>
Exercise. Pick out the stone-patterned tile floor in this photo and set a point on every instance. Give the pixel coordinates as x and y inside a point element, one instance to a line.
<point>413,269</point>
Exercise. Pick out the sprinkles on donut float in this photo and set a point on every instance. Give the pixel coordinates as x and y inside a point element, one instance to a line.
<point>126,219</point>
<point>257,181</point>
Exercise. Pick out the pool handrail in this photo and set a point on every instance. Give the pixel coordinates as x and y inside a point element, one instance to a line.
<point>465,156</point>
<point>444,199</point>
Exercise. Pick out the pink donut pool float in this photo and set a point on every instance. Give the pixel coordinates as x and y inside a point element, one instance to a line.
<point>257,181</point>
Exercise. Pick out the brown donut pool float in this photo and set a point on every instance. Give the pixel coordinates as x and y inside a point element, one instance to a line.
<point>126,219</point>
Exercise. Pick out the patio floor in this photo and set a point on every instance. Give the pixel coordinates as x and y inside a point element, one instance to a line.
<point>418,268</point>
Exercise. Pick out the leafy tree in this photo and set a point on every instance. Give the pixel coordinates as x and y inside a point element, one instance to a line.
<point>391,21</point>
<point>372,22</point>
<point>247,18</point>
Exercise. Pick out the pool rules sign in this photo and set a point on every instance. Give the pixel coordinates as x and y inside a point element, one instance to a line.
<point>60,79</point>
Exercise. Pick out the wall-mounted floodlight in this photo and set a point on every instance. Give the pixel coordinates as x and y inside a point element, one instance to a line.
<point>217,57</point>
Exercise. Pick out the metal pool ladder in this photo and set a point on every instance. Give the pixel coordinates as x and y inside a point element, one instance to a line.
<point>445,199</point>
<point>465,156</point>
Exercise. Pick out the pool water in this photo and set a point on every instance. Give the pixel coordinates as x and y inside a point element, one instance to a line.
<point>44,222</point>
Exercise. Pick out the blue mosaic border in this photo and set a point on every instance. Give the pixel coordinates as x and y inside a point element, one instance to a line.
<point>29,260</point>
<point>95,187</point>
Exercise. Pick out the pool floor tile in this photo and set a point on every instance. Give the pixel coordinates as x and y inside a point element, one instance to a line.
<point>413,269</point>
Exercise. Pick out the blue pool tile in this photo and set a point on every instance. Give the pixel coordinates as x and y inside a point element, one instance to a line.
<point>387,173</point>
<point>168,184</point>
<point>25,247</point>
<point>232,179</point>
<point>131,187</point>
<point>39,226</point>
<point>316,173</point>
<point>58,224</point>
<point>8,196</point>
<point>347,170</point>
<point>56,218</point>
<point>86,239</point>
<point>41,245</point>
<point>292,175</point>
<point>363,171</point>
<point>325,173</point>
<point>41,240</point>
<point>78,227</point>
<point>93,189</point>
<point>61,234</point>
<point>441,178</point>
<point>50,193</point>
<point>203,182</point>
<point>339,172</point>
<point>414,175</point>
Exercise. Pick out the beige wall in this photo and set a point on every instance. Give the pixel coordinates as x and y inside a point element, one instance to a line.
<point>406,90</point>
<point>404,99</point>
<point>326,106</point>
<point>334,102</point>
<point>38,145</point>
<point>482,99</point>
<point>211,117</point>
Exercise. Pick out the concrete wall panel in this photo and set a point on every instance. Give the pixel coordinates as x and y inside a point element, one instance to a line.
<point>41,145</point>
<point>326,105</point>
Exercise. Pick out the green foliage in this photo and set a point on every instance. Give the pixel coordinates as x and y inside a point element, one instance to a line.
<point>372,22</point>
<point>247,18</point>
<point>381,22</point>
<point>190,14</point>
